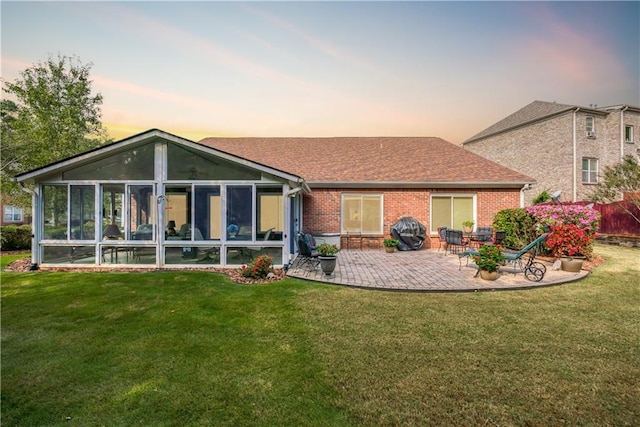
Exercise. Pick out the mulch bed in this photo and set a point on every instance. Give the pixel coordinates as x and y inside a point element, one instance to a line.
<point>23,264</point>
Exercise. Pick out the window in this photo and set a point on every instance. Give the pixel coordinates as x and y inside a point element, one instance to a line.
<point>590,125</point>
<point>362,213</point>
<point>628,133</point>
<point>451,211</point>
<point>12,214</point>
<point>589,171</point>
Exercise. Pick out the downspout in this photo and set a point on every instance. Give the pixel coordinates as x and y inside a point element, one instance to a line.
<point>575,155</point>
<point>622,132</point>
<point>34,232</point>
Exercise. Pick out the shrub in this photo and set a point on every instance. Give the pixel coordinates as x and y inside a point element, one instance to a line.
<point>518,224</point>
<point>390,243</point>
<point>549,215</point>
<point>15,237</point>
<point>258,269</point>
<point>570,240</point>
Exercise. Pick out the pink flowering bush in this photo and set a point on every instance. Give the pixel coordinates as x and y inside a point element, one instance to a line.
<point>572,228</point>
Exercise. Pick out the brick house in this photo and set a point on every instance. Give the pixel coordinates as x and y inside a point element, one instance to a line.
<point>161,201</point>
<point>563,147</point>
<point>361,186</point>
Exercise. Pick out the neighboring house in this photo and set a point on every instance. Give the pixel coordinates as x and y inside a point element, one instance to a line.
<point>161,201</point>
<point>13,215</point>
<point>564,147</point>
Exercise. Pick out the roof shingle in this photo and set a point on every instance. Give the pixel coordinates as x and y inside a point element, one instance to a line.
<point>398,160</point>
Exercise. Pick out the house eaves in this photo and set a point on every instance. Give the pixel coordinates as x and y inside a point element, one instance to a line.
<point>530,115</point>
<point>414,184</point>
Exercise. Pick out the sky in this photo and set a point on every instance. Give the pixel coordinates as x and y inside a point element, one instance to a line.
<point>314,69</point>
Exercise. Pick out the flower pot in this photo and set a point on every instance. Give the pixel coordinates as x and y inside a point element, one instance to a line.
<point>328,264</point>
<point>572,265</point>
<point>390,249</point>
<point>489,275</point>
<point>467,229</point>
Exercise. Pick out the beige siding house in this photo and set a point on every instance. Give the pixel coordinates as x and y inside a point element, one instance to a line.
<point>563,147</point>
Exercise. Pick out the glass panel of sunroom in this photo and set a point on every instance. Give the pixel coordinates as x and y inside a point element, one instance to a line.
<point>239,212</point>
<point>83,208</point>
<point>270,213</point>
<point>112,210</point>
<point>54,208</point>
<point>208,212</point>
<point>190,165</point>
<point>142,212</point>
<point>134,164</point>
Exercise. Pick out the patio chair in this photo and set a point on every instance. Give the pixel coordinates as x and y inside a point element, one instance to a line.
<point>442,237</point>
<point>498,237</point>
<point>522,260</point>
<point>307,253</point>
<point>456,242</point>
<point>482,235</point>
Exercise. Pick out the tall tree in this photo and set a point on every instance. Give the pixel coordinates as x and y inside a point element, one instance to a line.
<point>55,116</point>
<point>622,178</point>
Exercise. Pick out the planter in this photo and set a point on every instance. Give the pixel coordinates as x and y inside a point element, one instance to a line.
<point>572,265</point>
<point>328,264</point>
<point>390,249</point>
<point>467,229</point>
<point>489,275</point>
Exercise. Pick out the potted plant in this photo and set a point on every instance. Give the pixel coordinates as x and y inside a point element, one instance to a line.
<point>390,244</point>
<point>489,260</point>
<point>467,226</point>
<point>327,254</point>
<point>572,244</point>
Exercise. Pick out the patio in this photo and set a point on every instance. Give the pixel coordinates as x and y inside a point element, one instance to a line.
<point>427,270</point>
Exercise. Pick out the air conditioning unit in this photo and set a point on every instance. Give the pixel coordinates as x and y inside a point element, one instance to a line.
<point>591,134</point>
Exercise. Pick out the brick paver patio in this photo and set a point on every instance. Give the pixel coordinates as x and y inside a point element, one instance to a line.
<point>426,270</point>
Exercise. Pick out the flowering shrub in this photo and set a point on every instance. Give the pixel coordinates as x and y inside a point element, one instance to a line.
<point>581,216</point>
<point>327,249</point>
<point>573,228</point>
<point>258,269</point>
<point>570,240</point>
<point>489,257</point>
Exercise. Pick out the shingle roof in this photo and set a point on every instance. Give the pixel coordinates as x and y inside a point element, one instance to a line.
<point>537,110</point>
<point>396,160</point>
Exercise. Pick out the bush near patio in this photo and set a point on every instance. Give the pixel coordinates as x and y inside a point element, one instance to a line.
<point>572,228</point>
<point>519,226</point>
<point>15,237</point>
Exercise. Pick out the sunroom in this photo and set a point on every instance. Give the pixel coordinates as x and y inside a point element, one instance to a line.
<point>156,200</point>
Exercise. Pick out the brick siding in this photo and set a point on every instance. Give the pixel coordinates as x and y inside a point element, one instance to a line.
<point>321,210</point>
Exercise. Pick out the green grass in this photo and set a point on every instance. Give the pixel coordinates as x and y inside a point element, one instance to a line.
<point>177,348</point>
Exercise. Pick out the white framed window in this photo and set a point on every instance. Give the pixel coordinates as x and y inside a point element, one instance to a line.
<point>12,214</point>
<point>362,213</point>
<point>628,133</point>
<point>590,126</point>
<point>589,170</point>
<point>451,210</point>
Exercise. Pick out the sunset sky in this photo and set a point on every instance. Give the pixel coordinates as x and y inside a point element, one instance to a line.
<point>450,69</point>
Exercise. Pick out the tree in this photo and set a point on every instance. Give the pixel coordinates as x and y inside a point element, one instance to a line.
<point>54,116</point>
<point>623,178</point>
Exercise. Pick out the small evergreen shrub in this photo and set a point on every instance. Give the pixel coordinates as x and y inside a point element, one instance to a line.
<point>15,237</point>
<point>519,225</point>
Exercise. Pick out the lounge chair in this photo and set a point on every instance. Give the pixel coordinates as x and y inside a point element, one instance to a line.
<point>533,270</point>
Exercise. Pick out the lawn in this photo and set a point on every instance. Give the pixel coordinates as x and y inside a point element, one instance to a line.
<point>193,348</point>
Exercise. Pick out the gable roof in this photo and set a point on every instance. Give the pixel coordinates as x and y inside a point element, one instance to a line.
<point>537,110</point>
<point>372,161</point>
<point>147,137</point>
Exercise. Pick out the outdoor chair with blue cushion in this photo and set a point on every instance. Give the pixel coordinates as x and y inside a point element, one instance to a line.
<point>522,260</point>
<point>442,237</point>
<point>456,242</point>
